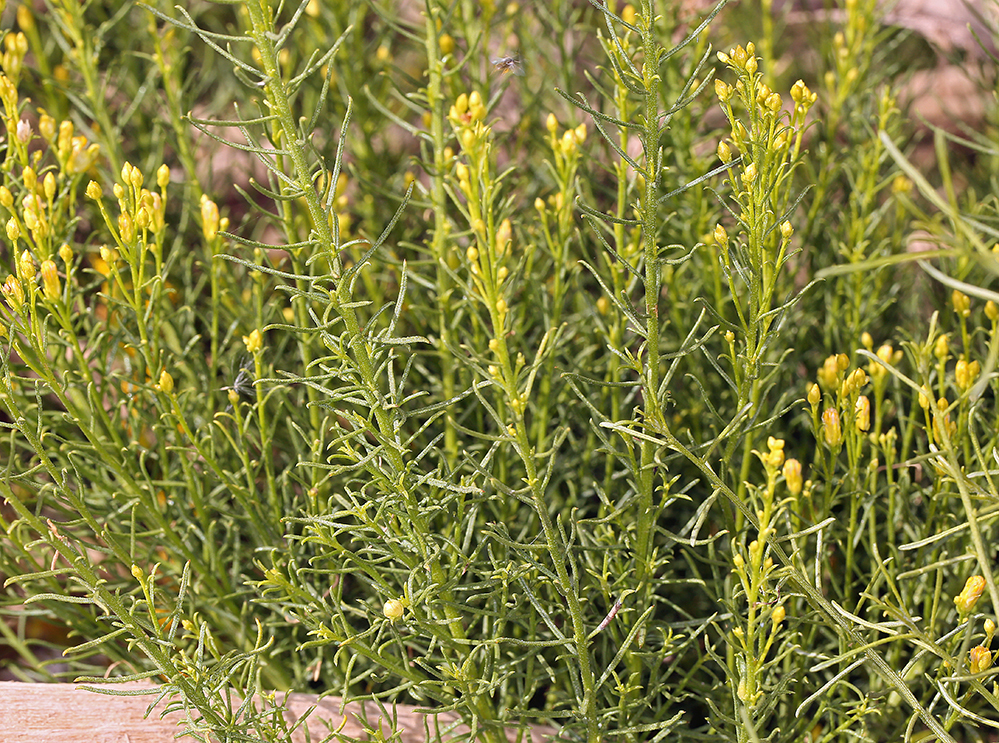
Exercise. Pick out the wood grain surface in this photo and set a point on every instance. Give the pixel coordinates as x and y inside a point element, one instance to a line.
<point>67,713</point>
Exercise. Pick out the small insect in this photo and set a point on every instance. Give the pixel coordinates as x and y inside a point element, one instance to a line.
<point>242,385</point>
<point>610,616</point>
<point>506,65</point>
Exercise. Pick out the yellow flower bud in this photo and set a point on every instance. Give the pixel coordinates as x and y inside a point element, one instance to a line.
<point>792,476</point>
<point>551,123</point>
<point>724,152</point>
<point>94,190</point>
<point>394,609</point>
<point>786,230</point>
<point>979,659</point>
<point>972,591</point>
<point>46,127</point>
<point>723,90</point>
<point>965,374</point>
<point>863,413</point>
<point>50,280</point>
<point>163,176</point>
<point>829,373</point>
<point>126,227</point>
<point>901,185</point>
<point>941,349</point>
<point>775,455</point>
<point>991,311</point>
<point>568,142</point>
<point>13,229</point>
<point>49,185</point>
<point>209,218</point>
<point>26,265</point>
<point>961,302</point>
<point>254,341</point>
<point>799,92</point>
<point>778,615</point>
<point>166,382</point>
<point>814,394</point>
<point>13,293</point>
<point>831,430</point>
<point>446,43</point>
<point>749,175</point>
<point>721,235</point>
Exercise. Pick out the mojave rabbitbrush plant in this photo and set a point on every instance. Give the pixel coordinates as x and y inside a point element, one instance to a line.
<point>537,362</point>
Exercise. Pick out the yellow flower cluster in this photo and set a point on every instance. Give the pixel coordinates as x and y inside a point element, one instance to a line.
<point>141,212</point>
<point>837,381</point>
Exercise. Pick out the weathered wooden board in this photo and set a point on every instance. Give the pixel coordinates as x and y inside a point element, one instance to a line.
<point>65,713</point>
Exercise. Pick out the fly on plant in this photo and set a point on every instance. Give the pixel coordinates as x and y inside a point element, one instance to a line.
<point>507,65</point>
<point>242,385</point>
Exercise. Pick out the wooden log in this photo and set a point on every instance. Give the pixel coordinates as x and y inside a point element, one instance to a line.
<point>67,713</point>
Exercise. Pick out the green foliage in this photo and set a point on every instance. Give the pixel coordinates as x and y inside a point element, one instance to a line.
<point>457,354</point>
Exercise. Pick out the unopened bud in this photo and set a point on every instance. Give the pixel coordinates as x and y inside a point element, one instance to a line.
<point>831,429</point>
<point>394,609</point>
<point>972,591</point>
<point>792,476</point>
<point>965,373</point>
<point>962,303</point>
<point>863,413</point>
<point>166,382</point>
<point>50,280</point>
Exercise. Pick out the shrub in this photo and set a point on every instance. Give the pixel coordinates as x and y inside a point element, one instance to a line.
<point>466,360</point>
